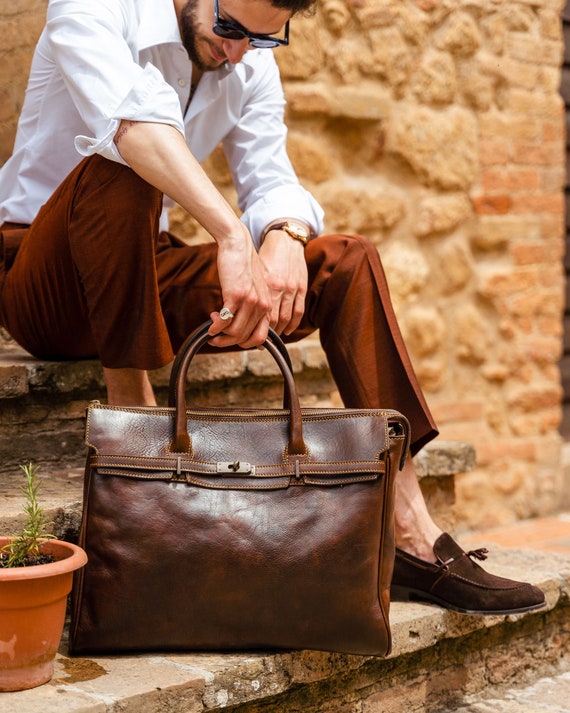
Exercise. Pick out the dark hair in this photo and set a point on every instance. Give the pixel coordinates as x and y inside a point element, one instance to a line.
<point>307,7</point>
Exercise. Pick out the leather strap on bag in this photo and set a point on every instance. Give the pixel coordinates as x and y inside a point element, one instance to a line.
<point>182,442</point>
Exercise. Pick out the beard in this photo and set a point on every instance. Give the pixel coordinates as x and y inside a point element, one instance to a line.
<point>191,35</point>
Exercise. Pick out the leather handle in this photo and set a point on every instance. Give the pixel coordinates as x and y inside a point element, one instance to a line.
<point>182,442</point>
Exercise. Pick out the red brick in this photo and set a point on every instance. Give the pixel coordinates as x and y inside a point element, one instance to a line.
<point>552,179</point>
<point>505,283</point>
<point>458,411</point>
<point>536,202</point>
<point>494,152</point>
<point>537,534</point>
<point>553,131</point>
<point>552,226</point>
<point>469,432</point>
<point>512,227</point>
<point>527,154</point>
<point>551,275</point>
<point>489,452</point>
<point>528,253</point>
<point>515,179</point>
<point>492,204</point>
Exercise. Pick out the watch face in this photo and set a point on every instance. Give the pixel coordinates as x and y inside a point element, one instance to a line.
<point>297,230</point>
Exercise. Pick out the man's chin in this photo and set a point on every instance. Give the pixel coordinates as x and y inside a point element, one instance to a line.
<point>210,64</point>
<point>217,59</point>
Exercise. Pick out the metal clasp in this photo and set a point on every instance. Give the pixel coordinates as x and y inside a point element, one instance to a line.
<point>235,467</point>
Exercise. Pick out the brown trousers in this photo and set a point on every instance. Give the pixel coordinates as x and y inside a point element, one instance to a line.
<point>93,277</point>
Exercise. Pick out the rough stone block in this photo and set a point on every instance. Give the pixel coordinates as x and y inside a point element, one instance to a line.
<point>443,458</point>
<point>13,381</point>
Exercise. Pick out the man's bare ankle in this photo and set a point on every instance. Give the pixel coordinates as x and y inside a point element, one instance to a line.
<point>128,387</point>
<point>421,548</point>
<point>416,534</point>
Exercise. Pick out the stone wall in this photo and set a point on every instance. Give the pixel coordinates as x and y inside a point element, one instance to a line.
<point>436,128</point>
<point>21,22</point>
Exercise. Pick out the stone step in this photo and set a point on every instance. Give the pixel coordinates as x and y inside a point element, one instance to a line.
<point>441,661</point>
<point>546,695</point>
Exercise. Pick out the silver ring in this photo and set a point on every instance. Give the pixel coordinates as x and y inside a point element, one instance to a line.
<point>226,313</point>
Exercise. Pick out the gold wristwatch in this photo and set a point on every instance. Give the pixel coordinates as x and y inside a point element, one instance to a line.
<point>297,231</point>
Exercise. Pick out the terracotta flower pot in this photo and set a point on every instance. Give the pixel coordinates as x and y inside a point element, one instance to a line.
<point>32,614</point>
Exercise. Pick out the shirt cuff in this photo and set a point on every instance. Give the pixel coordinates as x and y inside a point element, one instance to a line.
<point>88,145</point>
<point>291,201</point>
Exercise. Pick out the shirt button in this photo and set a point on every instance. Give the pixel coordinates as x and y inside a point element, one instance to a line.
<point>181,82</point>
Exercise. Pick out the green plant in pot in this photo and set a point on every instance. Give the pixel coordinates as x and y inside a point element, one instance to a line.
<point>36,575</point>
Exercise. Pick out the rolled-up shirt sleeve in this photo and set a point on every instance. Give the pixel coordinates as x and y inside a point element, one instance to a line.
<point>150,99</point>
<point>95,50</point>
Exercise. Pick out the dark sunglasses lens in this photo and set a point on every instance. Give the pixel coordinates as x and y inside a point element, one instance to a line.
<point>262,43</point>
<point>228,33</point>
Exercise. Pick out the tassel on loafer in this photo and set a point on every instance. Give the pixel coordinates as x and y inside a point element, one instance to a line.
<point>457,582</point>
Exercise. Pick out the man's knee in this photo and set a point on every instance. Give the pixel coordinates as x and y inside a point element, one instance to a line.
<point>99,183</point>
<point>116,183</point>
<point>340,249</point>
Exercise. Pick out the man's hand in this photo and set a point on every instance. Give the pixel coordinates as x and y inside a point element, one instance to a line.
<point>245,294</point>
<point>287,278</point>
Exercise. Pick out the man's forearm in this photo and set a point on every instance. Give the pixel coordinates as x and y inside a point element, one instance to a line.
<point>159,154</point>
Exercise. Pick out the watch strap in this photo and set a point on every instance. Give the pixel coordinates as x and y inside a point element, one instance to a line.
<point>283,225</point>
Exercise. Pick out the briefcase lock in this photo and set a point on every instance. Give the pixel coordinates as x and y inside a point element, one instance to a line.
<point>235,467</point>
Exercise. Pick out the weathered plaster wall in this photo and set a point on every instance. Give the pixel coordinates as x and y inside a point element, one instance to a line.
<point>435,128</point>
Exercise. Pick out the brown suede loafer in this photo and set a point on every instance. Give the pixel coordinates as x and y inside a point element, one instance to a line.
<point>456,582</point>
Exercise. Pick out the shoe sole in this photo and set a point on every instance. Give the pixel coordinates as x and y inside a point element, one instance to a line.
<point>407,594</point>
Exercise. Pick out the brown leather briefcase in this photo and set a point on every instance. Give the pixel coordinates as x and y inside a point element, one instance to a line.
<point>225,529</point>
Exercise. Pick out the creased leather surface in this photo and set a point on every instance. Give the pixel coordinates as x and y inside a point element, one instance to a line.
<point>237,561</point>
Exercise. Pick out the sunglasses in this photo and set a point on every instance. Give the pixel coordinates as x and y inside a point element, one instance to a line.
<point>233,31</point>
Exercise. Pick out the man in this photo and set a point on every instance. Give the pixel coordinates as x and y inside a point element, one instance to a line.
<point>144,90</point>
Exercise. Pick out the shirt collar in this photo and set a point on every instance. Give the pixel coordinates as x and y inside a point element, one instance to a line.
<point>159,25</point>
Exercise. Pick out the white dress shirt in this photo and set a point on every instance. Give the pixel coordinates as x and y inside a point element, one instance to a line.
<point>97,63</point>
